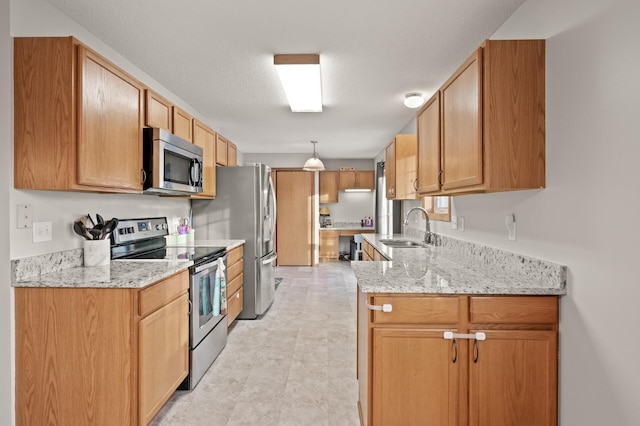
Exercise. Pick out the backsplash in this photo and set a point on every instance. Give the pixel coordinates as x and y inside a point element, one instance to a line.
<point>484,256</point>
<point>45,263</point>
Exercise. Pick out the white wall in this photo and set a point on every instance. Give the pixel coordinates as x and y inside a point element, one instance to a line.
<point>6,315</point>
<point>586,218</point>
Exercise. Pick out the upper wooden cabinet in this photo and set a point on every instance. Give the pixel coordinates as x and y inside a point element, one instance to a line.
<point>232,154</point>
<point>356,179</point>
<point>329,186</point>
<point>221,150</point>
<point>400,168</point>
<point>158,111</point>
<point>485,129</point>
<point>182,124</point>
<point>226,152</point>
<point>205,138</point>
<point>77,119</point>
<point>390,170</point>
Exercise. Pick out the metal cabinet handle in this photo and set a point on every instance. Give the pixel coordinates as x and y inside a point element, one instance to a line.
<point>475,351</point>
<point>387,307</point>
<point>415,184</point>
<point>190,306</point>
<point>440,178</point>
<point>455,351</point>
<point>238,295</point>
<point>144,176</point>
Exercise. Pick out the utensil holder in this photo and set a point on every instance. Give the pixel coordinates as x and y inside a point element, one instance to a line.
<point>96,252</point>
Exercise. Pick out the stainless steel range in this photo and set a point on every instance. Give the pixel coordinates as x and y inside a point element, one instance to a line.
<point>143,239</point>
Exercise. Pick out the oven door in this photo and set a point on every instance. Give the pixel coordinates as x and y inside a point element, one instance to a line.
<point>207,300</point>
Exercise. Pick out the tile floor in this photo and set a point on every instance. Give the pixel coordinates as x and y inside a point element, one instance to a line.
<point>295,366</point>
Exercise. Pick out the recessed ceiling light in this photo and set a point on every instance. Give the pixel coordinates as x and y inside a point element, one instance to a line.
<point>413,100</point>
<point>300,78</point>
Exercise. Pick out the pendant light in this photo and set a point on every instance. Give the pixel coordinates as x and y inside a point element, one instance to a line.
<point>313,164</point>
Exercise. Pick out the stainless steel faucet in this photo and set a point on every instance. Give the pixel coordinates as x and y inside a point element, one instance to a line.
<point>428,236</point>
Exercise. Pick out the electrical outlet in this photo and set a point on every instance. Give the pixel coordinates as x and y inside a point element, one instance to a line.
<point>454,222</point>
<point>24,216</point>
<point>460,223</point>
<point>42,232</point>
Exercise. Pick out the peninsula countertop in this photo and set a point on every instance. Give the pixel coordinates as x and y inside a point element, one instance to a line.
<point>456,267</point>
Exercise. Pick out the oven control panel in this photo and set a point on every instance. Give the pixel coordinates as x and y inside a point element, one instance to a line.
<point>129,230</point>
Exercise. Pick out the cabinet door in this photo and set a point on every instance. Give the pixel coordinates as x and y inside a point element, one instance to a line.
<point>514,379</point>
<point>462,125</point>
<point>329,187</point>
<point>390,170</point>
<point>158,111</point>
<point>329,245</point>
<point>347,180</point>
<point>206,139</point>
<point>232,154</point>
<point>406,164</point>
<point>365,179</point>
<point>164,355</point>
<point>415,378</point>
<point>429,146</point>
<point>221,151</point>
<point>109,143</point>
<point>182,126</point>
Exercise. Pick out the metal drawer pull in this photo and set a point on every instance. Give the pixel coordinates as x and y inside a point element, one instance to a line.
<point>449,335</point>
<point>384,308</point>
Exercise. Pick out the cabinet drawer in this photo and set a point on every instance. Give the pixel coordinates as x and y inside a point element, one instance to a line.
<point>234,255</point>
<point>234,306</point>
<point>162,292</point>
<point>517,309</point>
<point>234,284</point>
<point>234,270</point>
<point>417,310</point>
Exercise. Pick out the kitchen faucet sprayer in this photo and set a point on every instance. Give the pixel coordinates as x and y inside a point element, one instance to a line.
<point>428,236</point>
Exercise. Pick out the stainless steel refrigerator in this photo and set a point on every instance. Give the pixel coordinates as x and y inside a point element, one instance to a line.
<point>388,218</point>
<point>244,208</point>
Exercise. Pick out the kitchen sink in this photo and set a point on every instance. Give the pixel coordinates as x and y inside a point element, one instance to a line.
<point>403,244</point>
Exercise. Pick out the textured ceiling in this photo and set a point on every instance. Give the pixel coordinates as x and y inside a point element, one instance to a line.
<point>217,56</point>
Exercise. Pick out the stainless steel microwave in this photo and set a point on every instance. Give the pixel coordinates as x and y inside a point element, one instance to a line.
<point>172,165</point>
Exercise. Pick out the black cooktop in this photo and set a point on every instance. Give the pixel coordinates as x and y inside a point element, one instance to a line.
<point>196,254</point>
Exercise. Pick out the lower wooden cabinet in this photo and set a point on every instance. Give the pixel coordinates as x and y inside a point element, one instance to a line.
<point>235,277</point>
<point>408,373</point>
<point>369,253</point>
<point>329,246</point>
<point>107,356</point>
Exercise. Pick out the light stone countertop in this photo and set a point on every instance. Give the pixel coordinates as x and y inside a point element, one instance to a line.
<point>118,274</point>
<point>65,269</point>
<point>348,228</point>
<point>457,267</point>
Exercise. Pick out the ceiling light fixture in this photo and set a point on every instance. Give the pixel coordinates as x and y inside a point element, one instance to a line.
<point>300,78</point>
<point>413,100</point>
<point>313,164</point>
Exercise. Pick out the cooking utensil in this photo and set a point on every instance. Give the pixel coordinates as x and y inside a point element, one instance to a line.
<point>100,219</point>
<point>81,230</point>
<point>93,224</point>
<point>108,228</point>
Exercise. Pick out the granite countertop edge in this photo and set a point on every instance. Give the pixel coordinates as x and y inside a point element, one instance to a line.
<point>447,270</point>
<point>65,269</point>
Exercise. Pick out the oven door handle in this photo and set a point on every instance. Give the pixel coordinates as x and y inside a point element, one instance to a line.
<point>211,264</point>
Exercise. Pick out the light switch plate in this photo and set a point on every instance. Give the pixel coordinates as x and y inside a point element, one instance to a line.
<point>460,223</point>
<point>42,232</point>
<point>454,222</point>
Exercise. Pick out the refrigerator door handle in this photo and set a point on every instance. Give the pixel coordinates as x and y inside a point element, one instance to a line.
<point>275,210</point>
<point>270,259</point>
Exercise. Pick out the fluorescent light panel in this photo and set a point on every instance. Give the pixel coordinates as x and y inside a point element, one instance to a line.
<point>300,78</point>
